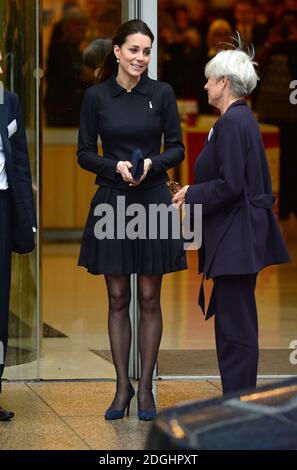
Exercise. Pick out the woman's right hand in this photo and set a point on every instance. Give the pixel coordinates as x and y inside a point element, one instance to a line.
<point>123,167</point>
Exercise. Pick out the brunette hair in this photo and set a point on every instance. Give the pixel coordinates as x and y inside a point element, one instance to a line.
<point>110,65</point>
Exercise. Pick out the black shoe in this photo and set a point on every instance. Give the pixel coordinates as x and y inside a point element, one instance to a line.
<point>6,415</point>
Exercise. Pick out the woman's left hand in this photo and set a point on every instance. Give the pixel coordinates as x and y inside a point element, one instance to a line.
<point>179,198</point>
<point>147,164</point>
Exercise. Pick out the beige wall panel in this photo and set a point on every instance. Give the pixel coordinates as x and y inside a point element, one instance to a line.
<point>58,186</point>
<point>85,189</point>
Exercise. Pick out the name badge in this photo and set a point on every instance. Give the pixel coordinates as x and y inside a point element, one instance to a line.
<point>12,128</point>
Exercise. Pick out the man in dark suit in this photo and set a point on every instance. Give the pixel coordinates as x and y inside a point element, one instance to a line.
<point>17,212</point>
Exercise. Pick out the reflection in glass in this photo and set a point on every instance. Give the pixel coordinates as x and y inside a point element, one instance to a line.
<point>18,46</point>
<point>68,74</point>
<point>76,37</point>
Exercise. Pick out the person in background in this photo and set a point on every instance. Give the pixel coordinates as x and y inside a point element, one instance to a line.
<point>180,49</point>
<point>94,55</point>
<point>104,17</point>
<point>199,15</point>
<point>17,211</point>
<point>218,37</point>
<point>66,76</point>
<point>278,60</point>
<point>241,235</point>
<point>245,22</point>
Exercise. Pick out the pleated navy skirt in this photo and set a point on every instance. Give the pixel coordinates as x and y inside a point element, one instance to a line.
<point>121,254</point>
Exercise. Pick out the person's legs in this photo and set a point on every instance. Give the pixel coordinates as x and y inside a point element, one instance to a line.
<point>119,328</point>
<point>5,272</point>
<point>150,333</point>
<point>236,329</point>
<point>5,276</point>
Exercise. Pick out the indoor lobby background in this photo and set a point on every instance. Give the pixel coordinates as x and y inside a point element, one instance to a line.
<point>58,321</point>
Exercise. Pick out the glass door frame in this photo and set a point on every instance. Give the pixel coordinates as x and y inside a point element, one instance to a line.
<point>131,9</point>
<point>22,75</point>
<point>39,74</point>
<point>148,12</point>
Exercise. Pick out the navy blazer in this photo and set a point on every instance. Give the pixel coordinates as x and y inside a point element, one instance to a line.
<point>17,167</point>
<point>129,121</point>
<point>232,182</point>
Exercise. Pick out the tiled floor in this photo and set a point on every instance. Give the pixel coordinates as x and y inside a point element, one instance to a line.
<point>70,415</point>
<point>75,303</point>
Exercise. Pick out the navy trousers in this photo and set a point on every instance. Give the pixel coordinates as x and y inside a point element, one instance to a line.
<point>236,330</point>
<point>5,270</point>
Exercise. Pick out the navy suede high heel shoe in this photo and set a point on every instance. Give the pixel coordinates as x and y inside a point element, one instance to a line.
<point>147,415</point>
<point>111,414</point>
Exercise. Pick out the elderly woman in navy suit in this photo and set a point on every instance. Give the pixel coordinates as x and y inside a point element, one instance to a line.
<point>240,232</point>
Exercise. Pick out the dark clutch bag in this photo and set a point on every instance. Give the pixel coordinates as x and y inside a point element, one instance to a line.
<point>174,186</point>
<point>138,164</point>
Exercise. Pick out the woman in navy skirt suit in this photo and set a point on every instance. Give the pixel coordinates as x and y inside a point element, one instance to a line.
<point>130,112</point>
<point>240,232</point>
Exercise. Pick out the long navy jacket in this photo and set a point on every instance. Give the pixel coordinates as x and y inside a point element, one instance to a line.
<point>127,121</point>
<point>18,173</point>
<point>232,182</point>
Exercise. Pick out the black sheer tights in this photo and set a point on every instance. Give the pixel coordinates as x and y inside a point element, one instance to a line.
<point>119,329</point>
<point>150,332</point>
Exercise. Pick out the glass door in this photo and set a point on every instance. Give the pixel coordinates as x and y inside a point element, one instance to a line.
<point>188,36</point>
<point>20,74</point>
<point>75,342</point>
